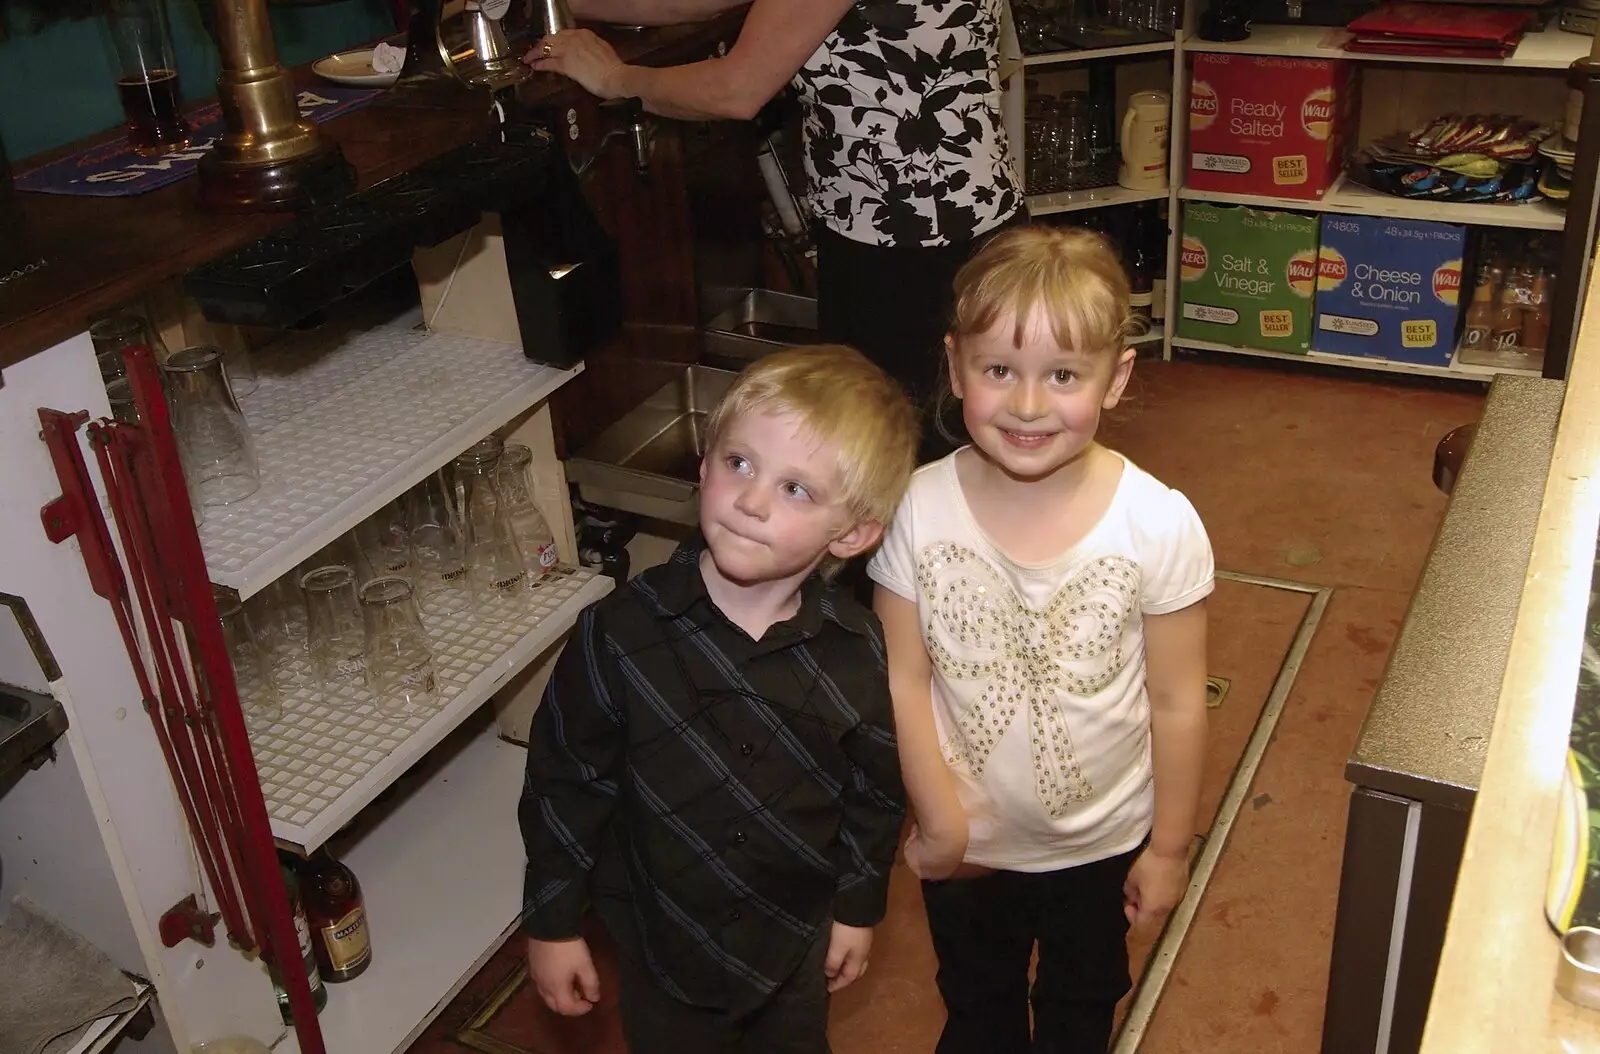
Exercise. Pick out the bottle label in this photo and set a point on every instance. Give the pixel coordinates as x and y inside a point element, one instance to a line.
<point>1141,300</point>
<point>547,556</point>
<point>302,930</point>
<point>347,941</point>
<point>1474,338</point>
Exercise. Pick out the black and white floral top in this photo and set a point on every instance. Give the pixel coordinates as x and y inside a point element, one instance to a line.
<point>904,141</point>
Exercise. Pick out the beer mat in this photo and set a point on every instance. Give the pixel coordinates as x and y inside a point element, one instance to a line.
<point>1573,895</point>
<point>114,170</point>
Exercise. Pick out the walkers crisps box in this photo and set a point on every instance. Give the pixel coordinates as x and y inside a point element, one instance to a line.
<point>1247,277</point>
<point>1264,125</point>
<point>1389,289</point>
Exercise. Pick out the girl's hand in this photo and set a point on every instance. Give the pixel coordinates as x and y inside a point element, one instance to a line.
<point>1154,886</point>
<point>848,948</point>
<point>925,867</point>
<point>579,54</point>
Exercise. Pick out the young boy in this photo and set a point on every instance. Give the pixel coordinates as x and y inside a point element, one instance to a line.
<point>714,767</point>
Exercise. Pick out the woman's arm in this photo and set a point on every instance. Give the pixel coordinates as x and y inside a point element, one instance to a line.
<point>777,38</point>
<point>650,12</point>
<point>930,786</point>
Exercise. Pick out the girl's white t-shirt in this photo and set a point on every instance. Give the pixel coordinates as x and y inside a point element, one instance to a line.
<point>1039,670</point>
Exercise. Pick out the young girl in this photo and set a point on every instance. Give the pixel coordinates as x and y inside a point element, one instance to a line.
<point>1041,599</point>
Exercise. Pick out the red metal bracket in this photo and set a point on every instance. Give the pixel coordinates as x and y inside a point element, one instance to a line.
<point>185,921</point>
<point>76,512</point>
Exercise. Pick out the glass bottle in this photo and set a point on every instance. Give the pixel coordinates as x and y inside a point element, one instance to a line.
<point>1141,271</point>
<point>1505,332</point>
<point>1480,313</point>
<point>495,568</point>
<point>213,439</point>
<point>334,634</point>
<point>341,941</point>
<point>534,536</point>
<point>1536,317</point>
<point>302,930</point>
<point>399,656</point>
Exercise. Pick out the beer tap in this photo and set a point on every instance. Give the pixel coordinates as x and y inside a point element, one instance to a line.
<point>634,127</point>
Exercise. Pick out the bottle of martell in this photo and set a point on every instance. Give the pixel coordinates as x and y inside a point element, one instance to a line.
<point>302,930</point>
<point>338,917</point>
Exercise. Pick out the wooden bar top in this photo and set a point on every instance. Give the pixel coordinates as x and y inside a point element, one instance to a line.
<point>1495,987</point>
<point>85,255</point>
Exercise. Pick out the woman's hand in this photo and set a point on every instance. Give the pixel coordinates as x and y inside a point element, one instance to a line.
<point>1154,886</point>
<point>579,54</point>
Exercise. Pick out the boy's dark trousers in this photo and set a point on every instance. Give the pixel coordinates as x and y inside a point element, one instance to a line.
<point>794,1020</point>
<point>984,930</point>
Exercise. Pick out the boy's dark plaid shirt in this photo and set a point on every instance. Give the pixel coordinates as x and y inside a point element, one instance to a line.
<point>717,800</point>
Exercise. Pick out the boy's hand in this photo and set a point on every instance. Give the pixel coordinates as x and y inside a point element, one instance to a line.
<point>564,975</point>
<point>848,947</point>
<point>1155,885</point>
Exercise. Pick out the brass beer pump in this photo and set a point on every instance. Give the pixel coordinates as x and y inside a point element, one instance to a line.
<point>269,158</point>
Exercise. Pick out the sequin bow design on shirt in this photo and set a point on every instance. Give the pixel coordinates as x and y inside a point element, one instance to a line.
<point>978,629</point>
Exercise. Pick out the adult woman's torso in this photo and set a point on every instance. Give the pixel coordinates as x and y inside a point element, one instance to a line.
<point>904,140</point>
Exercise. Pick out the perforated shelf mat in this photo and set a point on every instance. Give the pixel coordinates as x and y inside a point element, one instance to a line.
<point>329,755</point>
<point>342,425</point>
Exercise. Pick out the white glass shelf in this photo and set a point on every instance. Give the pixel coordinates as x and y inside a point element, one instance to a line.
<point>326,759</point>
<point>1097,198</point>
<point>344,424</point>
<point>1061,58</point>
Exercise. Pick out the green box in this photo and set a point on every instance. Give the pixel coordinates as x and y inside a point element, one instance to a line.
<point>1247,277</point>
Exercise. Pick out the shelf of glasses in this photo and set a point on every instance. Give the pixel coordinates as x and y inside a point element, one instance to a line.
<point>343,425</point>
<point>330,754</point>
<point>1094,198</point>
<point>1061,58</point>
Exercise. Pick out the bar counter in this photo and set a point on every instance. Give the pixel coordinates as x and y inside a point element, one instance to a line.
<point>1495,987</point>
<point>77,256</point>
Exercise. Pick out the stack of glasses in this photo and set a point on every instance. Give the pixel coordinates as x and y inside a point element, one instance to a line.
<point>349,624</point>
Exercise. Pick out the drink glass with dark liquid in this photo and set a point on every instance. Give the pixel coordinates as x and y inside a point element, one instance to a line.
<point>147,75</point>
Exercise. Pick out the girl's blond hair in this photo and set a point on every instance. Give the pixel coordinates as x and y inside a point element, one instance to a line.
<point>1070,274</point>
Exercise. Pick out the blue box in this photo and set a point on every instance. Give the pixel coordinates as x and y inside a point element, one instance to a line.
<point>1388,289</point>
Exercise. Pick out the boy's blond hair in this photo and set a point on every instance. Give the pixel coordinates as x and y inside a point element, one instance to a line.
<point>841,398</point>
<point>1071,274</point>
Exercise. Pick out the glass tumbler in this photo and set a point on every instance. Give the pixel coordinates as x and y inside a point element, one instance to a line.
<point>213,438</point>
<point>1075,153</point>
<point>385,541</point>
<point>1043,138</point>
<point>140,36</point>
<point>335,635</point>
<point>495,569</point>
<point>438,549</point>
<point>398,653</point>
<point>117,332</point>
<point>534,537</point>
<point>258,695</point>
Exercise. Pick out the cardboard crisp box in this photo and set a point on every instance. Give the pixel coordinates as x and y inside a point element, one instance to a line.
<point>1272,126</point>
<point>1248,276</point>
<point>1389,289</point>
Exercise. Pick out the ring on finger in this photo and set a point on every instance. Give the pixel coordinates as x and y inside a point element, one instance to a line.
<point>548,50</point>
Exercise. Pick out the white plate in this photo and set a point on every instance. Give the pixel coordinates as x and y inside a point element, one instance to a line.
<point>353,68</point>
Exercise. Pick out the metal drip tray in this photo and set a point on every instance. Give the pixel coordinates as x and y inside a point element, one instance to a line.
<point>758,322</point>
<point>29,722</point>
<point>649,462</point>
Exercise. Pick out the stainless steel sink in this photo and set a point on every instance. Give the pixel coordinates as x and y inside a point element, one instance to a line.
<point>649,461</point>
<point>745,324</point>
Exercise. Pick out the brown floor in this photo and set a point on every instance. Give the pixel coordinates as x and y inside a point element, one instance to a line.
<point>1321,480</point>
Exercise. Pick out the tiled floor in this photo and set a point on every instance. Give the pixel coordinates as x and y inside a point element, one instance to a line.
<point>1322,480</point>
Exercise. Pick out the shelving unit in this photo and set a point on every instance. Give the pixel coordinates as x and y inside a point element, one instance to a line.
<point>441,873</point>
<point>1457,369</point>
<point>1549,50</point>
<point>327,758</point>
<point>1354,199</point>
<point>1536,57</point>
<point>342,426</point>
